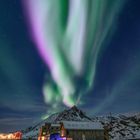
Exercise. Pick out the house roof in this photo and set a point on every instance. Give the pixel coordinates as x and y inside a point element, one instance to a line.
<point>82,125</point>
<point>55,125</point>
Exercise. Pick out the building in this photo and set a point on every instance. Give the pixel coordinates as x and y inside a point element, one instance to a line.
<point>50,131</point>
<point>82,130</point>
<point>73,130</point>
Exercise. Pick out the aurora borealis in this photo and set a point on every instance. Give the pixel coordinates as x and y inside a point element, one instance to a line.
<point>69,36</point>
<point>54,54</point>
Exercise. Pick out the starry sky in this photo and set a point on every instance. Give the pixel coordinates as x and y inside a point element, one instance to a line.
<point>24,73</point>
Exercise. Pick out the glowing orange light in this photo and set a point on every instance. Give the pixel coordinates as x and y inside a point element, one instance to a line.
<point>42,138</point>
<point>13,136</point>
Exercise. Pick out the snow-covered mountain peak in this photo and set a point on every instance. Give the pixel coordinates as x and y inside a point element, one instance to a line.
<point>72,114</point>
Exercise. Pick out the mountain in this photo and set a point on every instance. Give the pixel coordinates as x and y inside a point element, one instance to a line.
<point>120,126</point>
<point>72,114</point>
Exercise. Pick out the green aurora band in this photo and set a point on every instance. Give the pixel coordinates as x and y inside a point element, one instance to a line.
<point>70,35</point>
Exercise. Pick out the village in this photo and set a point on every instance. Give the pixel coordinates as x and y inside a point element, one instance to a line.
<point>73,124</point>
<point>66,130</point>
<point>70,124</point>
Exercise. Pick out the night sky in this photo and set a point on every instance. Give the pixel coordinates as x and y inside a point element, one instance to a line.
<point>23,72</point>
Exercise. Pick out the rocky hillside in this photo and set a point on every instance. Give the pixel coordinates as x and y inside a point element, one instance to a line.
<point>121,126</point>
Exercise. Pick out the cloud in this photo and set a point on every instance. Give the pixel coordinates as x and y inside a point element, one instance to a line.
<point>14,124</point>
<point>15,121</point>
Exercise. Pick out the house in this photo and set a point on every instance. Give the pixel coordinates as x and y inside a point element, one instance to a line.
<point>73,130</point>
<point>82,130</point>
